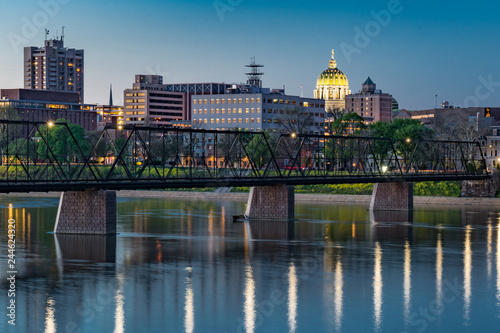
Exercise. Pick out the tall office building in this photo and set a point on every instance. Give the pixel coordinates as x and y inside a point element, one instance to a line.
<point>54,67</point>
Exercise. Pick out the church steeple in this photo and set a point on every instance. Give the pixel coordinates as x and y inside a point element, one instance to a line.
<point>333,62</point>
<point>110,95</point>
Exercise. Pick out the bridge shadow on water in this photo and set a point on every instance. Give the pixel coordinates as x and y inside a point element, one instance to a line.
<point>270,229</point>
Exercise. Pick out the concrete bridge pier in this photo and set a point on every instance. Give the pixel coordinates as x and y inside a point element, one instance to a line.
<point>271,203</point>
<point>392,196</point>
<point>86,212</point>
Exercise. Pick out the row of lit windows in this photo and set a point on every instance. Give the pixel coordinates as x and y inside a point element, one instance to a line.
<point>223,101</point>
<point>135,100</point>
<point>135,106</point>
<point>223,121</point>
<point>135,94</point>
<point>216,111</point>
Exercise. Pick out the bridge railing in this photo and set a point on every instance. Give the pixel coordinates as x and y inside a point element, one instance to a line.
<point>61,153</point>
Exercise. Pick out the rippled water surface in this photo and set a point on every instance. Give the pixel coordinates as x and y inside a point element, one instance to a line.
<point>184,266</point>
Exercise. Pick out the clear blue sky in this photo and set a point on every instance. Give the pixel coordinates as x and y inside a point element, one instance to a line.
<point>448,48</point>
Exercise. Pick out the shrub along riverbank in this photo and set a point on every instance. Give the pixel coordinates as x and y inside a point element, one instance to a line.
<point>427,189</point>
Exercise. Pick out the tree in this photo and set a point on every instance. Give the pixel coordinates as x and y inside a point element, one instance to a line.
<point>350,123</point>
<point>259,150</point>
<point>13,131</point>
<point>61,142</point>
<point>297,120</point>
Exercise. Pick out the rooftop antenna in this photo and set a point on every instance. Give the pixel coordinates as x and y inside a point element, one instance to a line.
<point>436,101</point>
<point>46,34</point>
<point>254,77</point>
<point>62,36</point>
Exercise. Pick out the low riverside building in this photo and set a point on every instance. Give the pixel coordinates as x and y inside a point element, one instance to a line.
<point>257,109</point>
<point>45,106</point>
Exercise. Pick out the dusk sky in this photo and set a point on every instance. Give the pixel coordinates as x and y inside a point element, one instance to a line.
<point>448,48</point>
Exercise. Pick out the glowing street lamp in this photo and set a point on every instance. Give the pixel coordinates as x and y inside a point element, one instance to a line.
<point>293,135</point>
<point>50,124</point>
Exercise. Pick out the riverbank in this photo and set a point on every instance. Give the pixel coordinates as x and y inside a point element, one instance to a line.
<point>301,198</point>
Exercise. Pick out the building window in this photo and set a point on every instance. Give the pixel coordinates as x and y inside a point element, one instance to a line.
<point>217,111</point>
<point>247,110</point>
<point>217,101</point>
<point>240,120</point>
<point>229,121</point>
<point>223,110</point>
<point>194,101</point>
<point>194,111</point>
<point>211,111</point>
<point>211,101</point>
<point>211,121</point>
<point>258,110</point>
<point>205,111</point>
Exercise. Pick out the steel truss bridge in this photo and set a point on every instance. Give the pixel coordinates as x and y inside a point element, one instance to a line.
<point>41,157</point>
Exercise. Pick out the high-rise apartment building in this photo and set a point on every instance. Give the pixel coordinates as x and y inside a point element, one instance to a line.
<point>370,103</point>
<point>55,68</point>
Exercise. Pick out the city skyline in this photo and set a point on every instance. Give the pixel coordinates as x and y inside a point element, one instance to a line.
<point>412,50</point>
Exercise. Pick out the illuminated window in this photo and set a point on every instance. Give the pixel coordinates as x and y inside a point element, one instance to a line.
<point>247,120</point>
<point>205,121</point>
<point>223,110</point>
<point>212,111</point>
<point>240,100</point>
<point>234,110</point>
<point>211,101</point>
<point>223,101</point>
<point>217,120</point>
<point>217,111</point>
<point>229,121</point>
<point>205,101</point>
<point>195,101</point>
<point>247,110</point>
<point>240,110</point>
<point>253,100</point>
<point>240,120</point>
<point>205,111</point>
<point>194,111</point>
<point>234,100</point>
<point>252,120</point>
<point>247,100</point>
<point>258,120</point>
<point>306,104</point>
<point>217,101</point>
<point>223,121</point>
<point>252,110</point>
<point>211,121</point>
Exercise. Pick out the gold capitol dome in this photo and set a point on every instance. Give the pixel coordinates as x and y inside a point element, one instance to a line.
<point>332,86</point>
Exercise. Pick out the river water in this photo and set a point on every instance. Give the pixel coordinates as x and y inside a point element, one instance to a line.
<point>184,266</point>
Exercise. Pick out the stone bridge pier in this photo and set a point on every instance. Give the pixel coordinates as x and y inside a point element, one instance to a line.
<point>86,212</point>
<point>392,196</point>
<point>271,203</point>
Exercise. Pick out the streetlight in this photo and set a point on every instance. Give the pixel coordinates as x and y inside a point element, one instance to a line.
<point>293,135</point>
<point>408,140</point>
<point>50,124</point>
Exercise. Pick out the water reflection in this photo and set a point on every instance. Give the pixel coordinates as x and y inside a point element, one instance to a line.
<point>93,248</point>
<point>407,281</point>
<point>339,295</point>
<point>390,226</point>
<point>292,297</point>
<point>120,304</point>
<point>467,273</point>
<point>268,229</point>
<point>235,272</point>
<point>439,272</point>
<point>377,287</point>
<point>189,303</point>
<point>249,296</point>
<point>489,250</point>
<point>498,265</point>
<point>50,319</point>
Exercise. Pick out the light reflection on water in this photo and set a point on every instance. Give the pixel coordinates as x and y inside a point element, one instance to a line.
<point>257,276</point>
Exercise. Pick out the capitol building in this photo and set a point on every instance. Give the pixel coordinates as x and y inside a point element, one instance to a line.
<point>332,86</point>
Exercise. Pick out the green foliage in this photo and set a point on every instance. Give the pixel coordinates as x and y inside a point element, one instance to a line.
<point>438,189</point>
<point>61,142</point>
<point>401,129</point>
<point>349,123</point>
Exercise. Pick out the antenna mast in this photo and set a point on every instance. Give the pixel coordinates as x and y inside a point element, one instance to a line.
<point>254,77</point>
<point>62,36</point>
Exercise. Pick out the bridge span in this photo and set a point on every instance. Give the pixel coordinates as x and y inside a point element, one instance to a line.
<point>41,157</point>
